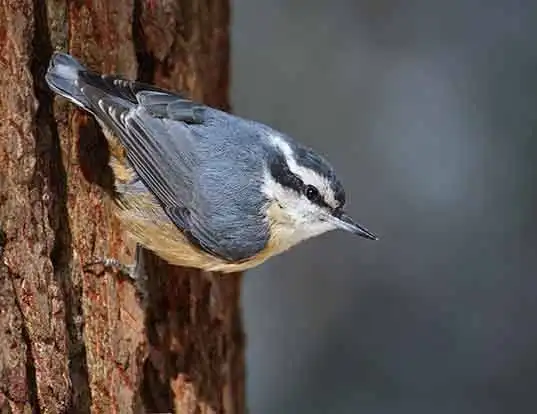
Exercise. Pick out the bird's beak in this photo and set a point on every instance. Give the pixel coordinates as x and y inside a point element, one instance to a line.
<point>345,222</point>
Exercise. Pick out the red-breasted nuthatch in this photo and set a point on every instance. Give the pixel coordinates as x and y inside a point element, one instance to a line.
<point>198,186</point>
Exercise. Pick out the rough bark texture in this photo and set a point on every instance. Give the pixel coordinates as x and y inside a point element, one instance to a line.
<point>78,342</point>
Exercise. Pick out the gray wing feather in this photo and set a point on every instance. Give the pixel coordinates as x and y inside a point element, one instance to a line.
<point>168,164</point>
<point>164,153</point>
<point>165,105</point>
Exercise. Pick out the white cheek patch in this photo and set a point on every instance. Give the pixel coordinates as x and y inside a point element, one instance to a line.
<point>296,206</point>
<point>297,218</point>
<point>306,175</point>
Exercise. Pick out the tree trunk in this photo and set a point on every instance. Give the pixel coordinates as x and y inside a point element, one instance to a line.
<point>78,342</point>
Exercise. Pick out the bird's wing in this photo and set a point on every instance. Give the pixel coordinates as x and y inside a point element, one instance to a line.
<point>163,150</point>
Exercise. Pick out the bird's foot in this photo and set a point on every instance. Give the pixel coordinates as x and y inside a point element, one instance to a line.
<point>134,273</point>
<point>127,272</point>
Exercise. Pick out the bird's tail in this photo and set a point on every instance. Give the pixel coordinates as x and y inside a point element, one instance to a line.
<point>63,77</point>
<point>84,87</point>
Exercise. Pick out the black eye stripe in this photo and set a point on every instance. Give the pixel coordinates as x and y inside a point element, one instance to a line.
<point>284,176</point>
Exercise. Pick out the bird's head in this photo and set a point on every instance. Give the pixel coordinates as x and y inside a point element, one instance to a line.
<point>305,196</point>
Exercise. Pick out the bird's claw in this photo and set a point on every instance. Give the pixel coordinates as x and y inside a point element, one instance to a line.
<point>109,263</point>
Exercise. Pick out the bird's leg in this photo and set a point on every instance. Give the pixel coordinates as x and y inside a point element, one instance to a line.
<point>133,272</point>
<point>110,263</point>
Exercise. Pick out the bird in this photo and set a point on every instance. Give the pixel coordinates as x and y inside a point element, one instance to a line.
<point>200,187</point>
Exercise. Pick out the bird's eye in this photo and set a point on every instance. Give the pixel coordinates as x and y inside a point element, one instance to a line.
<point>312,193</point>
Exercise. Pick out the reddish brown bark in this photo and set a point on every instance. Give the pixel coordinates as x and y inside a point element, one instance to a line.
<point>77,342</point>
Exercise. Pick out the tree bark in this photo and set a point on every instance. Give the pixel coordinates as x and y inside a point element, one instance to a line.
<point>73,341</point>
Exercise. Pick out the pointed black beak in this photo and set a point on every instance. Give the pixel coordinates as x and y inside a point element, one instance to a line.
<point>345,222</point>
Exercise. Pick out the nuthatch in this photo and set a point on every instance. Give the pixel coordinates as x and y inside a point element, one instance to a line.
<point>198,186</point>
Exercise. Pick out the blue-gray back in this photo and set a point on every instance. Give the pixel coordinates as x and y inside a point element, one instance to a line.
<point>207,176</point>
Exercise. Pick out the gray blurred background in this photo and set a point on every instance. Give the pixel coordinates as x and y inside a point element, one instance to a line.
<point>428,109</point>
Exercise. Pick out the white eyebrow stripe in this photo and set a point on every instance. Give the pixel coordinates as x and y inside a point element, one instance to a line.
<point>306,174</point>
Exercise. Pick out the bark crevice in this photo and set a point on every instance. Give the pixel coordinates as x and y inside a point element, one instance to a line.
<point>51,179</point>
<point>145,60</point>
<point>31,376</point>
